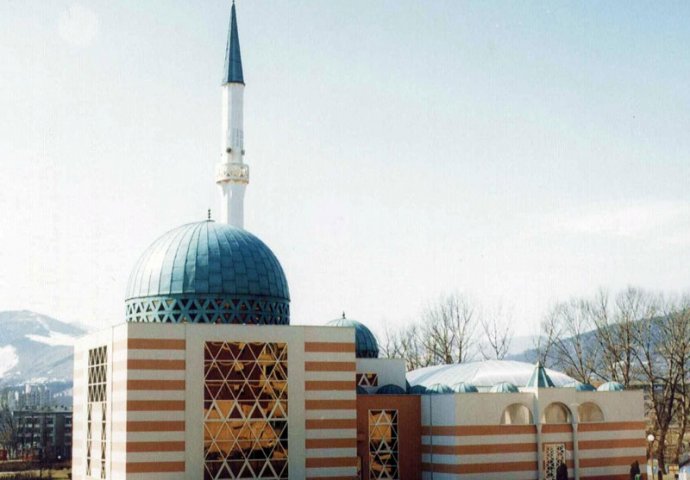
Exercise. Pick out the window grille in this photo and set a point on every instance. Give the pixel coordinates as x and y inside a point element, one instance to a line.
<point>383,445</point>
<point>96,406</point>
<point>245,411</point>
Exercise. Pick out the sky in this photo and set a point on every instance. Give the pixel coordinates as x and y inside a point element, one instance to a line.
<point>519,153</point>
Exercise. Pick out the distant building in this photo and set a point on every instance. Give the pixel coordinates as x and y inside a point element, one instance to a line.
<point>27,397</point>
<point>44,434</point>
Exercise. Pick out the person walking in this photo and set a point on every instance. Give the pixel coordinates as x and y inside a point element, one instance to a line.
<point>562,472</point>
<point>634,470</point>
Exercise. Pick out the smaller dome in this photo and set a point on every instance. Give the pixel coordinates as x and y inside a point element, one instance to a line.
<point>390,389</point>
<point>504,387</point>
<point>462,387</point>
<point>611,387</point>
<point>417,390</point>
<point>361,390</point>
<point>439,388</point>
<point>579,386</point>
<point>366,345</point>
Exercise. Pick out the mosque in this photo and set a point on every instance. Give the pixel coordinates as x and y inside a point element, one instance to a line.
<point>207,378</point>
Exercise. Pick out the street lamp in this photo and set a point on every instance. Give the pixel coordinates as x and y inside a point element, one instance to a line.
<point>650,439</point>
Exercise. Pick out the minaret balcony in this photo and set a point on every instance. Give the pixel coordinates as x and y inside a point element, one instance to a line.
<point>232,173</point>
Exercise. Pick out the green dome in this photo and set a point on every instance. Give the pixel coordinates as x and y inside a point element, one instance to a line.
<point>366,345</point>
<point>462,387</point>
<point>611,387</point>
<point>579,386</point>
<point>390,389</point>
<point>504,387</point>
<point>439,388</point>
<point>208,272</point>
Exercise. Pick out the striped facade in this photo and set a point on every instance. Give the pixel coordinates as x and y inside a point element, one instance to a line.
<point>150,389</point>
<point>463,438</point>
<point>607,449</point>
<point>155,385</point>
<point>330,406</point>
<point>154,413</point>
<point>479,452</point>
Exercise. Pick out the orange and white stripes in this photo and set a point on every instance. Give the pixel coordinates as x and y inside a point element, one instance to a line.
<point>330,408</point>
<point>149,408</point>
<point>559,434</point>
<point>607,449</point>
<point>479,452</point>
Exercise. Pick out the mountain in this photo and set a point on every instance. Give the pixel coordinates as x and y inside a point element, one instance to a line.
<point>35,348</point>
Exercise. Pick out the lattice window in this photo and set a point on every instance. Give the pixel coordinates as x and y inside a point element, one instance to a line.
<point>250,311</point>
<point>245,410</point>
<point>367,379</point>
<point>554,455</point>
<point>383,444</point>
<point>96,408</point>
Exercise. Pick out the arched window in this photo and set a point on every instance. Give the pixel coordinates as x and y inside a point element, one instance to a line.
<point>590,412</point>
<point>556,413</point>
<point>516,414</point>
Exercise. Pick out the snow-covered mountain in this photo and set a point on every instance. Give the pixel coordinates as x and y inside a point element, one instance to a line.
<point>35,348</point>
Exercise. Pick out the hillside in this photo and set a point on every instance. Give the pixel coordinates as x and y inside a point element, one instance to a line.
<point>35,348</point>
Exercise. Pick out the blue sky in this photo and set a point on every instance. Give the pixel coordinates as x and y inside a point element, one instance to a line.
<point>519,152</point>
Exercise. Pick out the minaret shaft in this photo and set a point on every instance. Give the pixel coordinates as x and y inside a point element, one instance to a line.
<point>232,174</point>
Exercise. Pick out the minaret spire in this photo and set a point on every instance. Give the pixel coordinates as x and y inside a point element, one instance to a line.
<point>233,58</point>
<point>232,174</point>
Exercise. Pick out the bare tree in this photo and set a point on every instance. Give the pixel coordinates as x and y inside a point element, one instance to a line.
<point>542,344</point>
<point>407,343</point>
<point>567,328</point>
<point>662,352</point>
<point>448,328</point>
<point>497,334</point>
<point>9,438</point>
<point>444,333</point>
<point>616,332</point>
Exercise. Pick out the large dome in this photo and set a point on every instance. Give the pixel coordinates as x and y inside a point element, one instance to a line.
<point>208,272</point>
<point>483,374</point>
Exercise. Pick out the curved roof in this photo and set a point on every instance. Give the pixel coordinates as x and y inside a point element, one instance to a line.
<point>611,387</point>
<point>463,387</point>
<point>417,389</point>
<point>208,258</point>
<point>439,388</point>
<point>390,389</point>
<point>504,387</point>
<point>579,386</point>
<point>483,374</point>
<point>366,345</point>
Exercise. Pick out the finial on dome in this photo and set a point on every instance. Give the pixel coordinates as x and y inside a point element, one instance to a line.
<point>343,315</point>
<point>209,214</point>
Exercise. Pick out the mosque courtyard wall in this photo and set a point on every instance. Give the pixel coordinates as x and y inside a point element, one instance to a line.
<point>525,435</point>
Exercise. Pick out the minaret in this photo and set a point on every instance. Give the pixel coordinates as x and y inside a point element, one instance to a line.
<point>232,175</point>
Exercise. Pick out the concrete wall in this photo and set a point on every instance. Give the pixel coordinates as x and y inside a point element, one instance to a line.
<point>463,439</point>
<point>389,370</point>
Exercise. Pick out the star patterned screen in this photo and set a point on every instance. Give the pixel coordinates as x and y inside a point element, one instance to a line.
<point>383,445</point>
<point>245,410</point>
<point>96,409</point>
